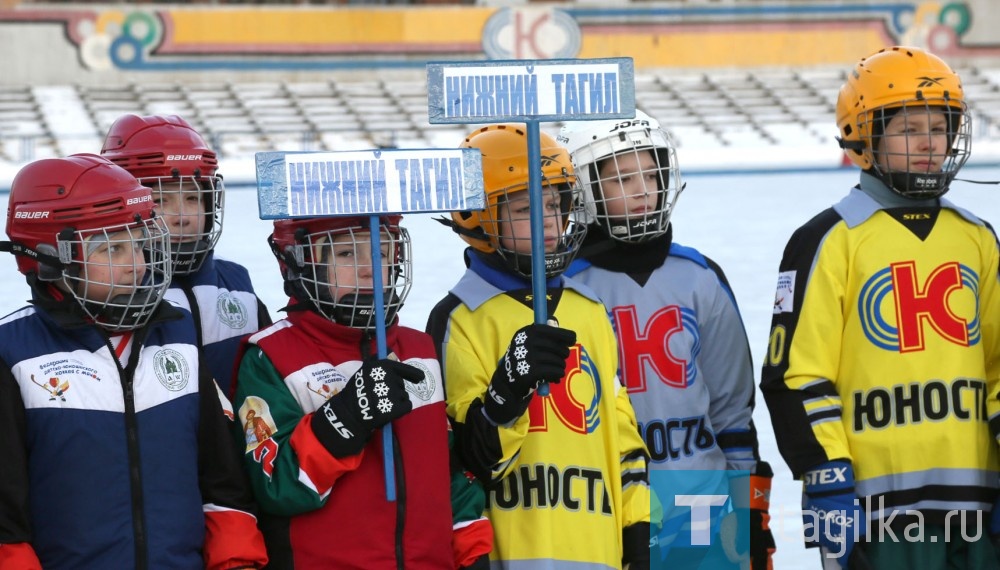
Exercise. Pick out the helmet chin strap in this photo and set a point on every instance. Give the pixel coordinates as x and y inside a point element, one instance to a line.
<point>357,310</point>
<point>187,256</point>
<point>635,227</point>
<point>123,311</point>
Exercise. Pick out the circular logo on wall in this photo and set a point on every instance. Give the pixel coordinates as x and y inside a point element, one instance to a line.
<point>171,369</point>
<point>231,310</point>
<point>531,33</point>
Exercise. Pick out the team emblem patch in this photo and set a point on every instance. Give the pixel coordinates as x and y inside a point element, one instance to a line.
<point>424,390</point>
<point>784,296</point>
<point>231,310</point>
<point>171,369</point>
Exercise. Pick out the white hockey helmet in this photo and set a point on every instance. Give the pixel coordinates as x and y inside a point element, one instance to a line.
<point>594,143</point>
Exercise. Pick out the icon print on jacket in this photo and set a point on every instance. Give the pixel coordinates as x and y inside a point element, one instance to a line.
<point>231,310</point>
<point>784,295</point>
<point>574,402</point>
<point>424,390</point>
<point>659,348</point>
<point>258,425</point>
<point>57,390</point>
<point>323,391</point>
<point>258,430</point>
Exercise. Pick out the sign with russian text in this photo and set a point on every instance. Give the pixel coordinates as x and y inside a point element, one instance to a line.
<point>370,182</point>
<point>530,90</point>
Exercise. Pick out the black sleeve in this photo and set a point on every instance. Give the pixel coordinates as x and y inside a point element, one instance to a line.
<point>263,316</point>
<point>477,441</point>
<point>220,470</point>
<point>15,523</point>
<point>786,406</point>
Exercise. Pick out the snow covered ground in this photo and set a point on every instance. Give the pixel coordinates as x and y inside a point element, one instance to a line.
<point>741,221</point>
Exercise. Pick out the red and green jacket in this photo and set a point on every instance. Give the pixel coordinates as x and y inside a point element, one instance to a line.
<point>328,512</point>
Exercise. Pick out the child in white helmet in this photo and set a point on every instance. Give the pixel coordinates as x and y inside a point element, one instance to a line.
<point>685,358</point>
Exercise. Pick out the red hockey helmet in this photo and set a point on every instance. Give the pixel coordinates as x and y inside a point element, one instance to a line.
<point>168,155</point>
<point>63,209</point>
<point>308,260</point>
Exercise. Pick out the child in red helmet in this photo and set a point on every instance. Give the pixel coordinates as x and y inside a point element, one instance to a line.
<point>168,155</point>
<point>117,449</point>
<point>312,399</point>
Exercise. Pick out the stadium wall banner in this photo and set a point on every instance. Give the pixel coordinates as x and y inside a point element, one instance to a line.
<point>84,43</point>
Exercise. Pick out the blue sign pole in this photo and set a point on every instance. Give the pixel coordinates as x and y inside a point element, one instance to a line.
<point>389,457</point>
<point>537,205</point>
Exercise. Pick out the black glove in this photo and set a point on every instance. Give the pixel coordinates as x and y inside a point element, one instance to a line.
<point>638,547</point>
<point>537,353</point>
<point>762,545</point>
<point>373,397</point>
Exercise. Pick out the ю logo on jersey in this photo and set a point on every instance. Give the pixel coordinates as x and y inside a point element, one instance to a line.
<point>649,348</point>
<point>896,308</point>
<point>574,401</point>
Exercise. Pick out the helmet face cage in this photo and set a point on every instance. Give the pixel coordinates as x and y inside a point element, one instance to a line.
<point>193,207</point>
<point>118,274</point>
<point>914,89</point>
<point>629,172</point>
<point>506,176</point>
<point>944,145</point>
<point>334,271</point>
<point>562,208</point>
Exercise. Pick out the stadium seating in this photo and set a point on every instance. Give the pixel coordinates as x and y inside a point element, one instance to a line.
<point>735,109</point>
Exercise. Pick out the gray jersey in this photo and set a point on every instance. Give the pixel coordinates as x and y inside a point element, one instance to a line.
<point>685,359</point>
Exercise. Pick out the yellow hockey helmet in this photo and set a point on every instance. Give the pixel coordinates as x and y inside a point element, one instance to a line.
<point>887,82</point>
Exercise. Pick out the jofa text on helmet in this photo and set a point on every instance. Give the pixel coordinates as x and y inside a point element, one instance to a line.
<point>630,123</point>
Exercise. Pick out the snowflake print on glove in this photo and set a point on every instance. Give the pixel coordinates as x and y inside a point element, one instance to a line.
<point>537,353</point>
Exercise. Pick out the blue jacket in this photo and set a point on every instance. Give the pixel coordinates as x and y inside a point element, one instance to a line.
<point>221,298</point>
<point>110,464</point>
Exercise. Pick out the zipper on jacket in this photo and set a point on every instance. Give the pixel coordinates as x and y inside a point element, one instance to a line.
<point>127,376</point>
